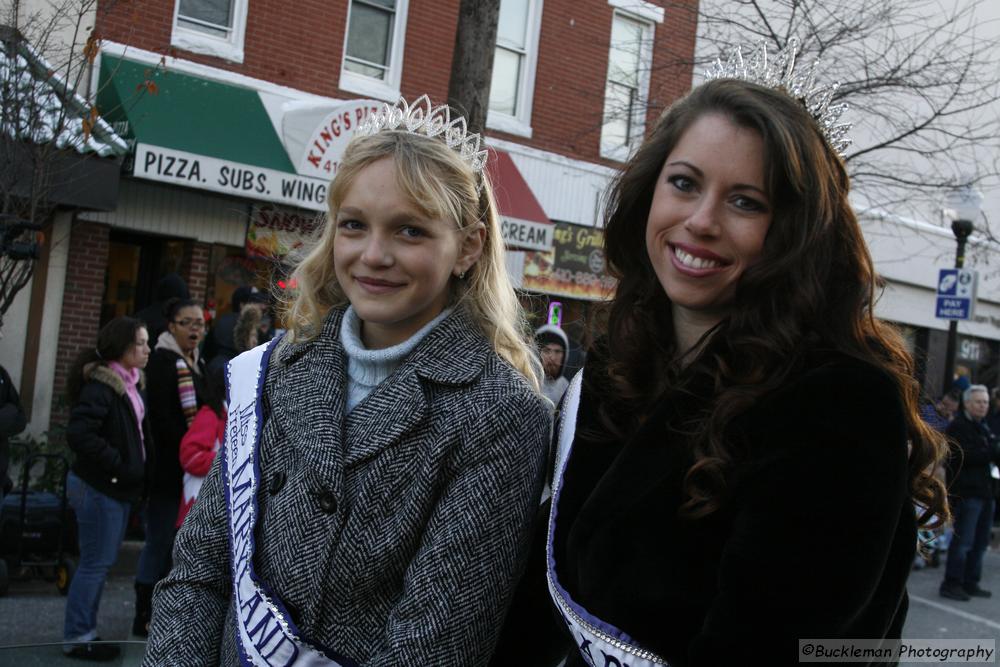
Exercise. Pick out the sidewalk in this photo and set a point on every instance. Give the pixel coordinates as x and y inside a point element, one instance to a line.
<point>32,611</point>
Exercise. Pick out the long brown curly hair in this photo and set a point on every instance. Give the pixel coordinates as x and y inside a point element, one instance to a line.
<point>815,284</point>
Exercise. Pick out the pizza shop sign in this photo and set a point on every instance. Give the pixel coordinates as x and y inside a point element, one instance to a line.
<point>321,153</point>
<point>314,138</point>
<point>232,178</point>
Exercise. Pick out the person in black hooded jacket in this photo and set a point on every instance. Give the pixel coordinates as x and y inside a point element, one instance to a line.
<point>109,435</point>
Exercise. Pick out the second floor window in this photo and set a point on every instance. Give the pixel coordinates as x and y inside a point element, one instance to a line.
<point>370,38</point>
<point>626,86</point>
<point>213,27</point>
<point>514,66</point>
<point>214,17</point>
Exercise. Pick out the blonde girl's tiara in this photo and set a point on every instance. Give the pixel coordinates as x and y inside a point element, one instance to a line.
<point>424,119</point>
<point>781,73</point>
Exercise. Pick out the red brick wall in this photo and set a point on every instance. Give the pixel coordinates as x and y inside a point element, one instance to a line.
<point>194,270</point>
<point>81,308</point>
<point>302,49</point>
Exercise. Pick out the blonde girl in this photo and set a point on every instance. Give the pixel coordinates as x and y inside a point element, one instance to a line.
<point>383,462</point>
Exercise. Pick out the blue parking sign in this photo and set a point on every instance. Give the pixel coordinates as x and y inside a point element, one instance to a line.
<point>956,294</point>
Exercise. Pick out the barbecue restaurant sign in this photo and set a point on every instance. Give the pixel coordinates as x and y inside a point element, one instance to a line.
<point>314,136</point>
<point>575,267</point>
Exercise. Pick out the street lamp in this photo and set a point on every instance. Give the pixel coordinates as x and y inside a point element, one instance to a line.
<point>962,208</point>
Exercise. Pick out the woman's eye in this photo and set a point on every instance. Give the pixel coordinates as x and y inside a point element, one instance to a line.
<point>748,204</point>
<point>412,232</point>
<point>682,183</point>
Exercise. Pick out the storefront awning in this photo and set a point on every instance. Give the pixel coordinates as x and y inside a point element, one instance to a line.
<point>203,134</point>
<point>523,221</point>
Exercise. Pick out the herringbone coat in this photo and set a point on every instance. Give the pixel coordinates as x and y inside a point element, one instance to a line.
<point>394,536</point>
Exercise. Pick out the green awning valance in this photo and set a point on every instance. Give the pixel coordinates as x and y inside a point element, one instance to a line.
<point>191,114</point>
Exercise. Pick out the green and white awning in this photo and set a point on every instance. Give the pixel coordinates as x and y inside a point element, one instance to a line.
<point>224,137</point>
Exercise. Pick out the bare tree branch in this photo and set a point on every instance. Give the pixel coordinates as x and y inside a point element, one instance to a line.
<point>920,77</point>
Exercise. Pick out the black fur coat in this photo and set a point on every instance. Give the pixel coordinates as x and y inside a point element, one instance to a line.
<point>815,540</point>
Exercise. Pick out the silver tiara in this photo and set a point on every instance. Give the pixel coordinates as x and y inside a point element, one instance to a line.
<point>430,121</point>
<point>780,73</point>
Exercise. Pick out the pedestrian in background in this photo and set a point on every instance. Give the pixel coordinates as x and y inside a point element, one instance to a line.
<point>176,377</point>
<point>934,541</point>
<point>724,447</point>
<point>170,286</point>
<point>553,346</point>
<point>246,333</point>
<point>109,435</point>
<point>12,422</point>
<point>970,492</point>
<point>220,345</point>
<point>403,437</point>
<point>203,440</point>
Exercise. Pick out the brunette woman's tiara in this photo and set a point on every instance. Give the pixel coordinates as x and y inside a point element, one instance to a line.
<point>779,72</point>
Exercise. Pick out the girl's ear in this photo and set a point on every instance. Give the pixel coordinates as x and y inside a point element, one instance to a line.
<point>471,250</point>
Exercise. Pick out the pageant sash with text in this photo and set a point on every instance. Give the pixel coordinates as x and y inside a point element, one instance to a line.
<point>599,643</point>
<point>266,634</point>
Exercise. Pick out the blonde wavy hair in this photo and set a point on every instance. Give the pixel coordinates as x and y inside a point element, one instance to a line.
<point>440,185</point>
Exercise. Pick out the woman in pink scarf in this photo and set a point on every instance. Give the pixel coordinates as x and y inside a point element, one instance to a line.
<point>109,435</point>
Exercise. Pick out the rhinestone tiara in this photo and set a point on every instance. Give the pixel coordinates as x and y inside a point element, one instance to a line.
<point>780,73</point>
<point>427,120</point>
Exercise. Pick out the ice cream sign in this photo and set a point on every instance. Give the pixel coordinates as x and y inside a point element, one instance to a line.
<point>316,135</point>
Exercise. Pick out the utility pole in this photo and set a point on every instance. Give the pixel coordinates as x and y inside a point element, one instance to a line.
<point>472,60</point>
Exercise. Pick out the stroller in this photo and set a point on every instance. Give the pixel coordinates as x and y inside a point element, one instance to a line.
<point>36,527</point>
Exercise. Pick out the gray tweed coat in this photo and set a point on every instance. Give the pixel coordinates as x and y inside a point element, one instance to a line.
<point>394,536</point>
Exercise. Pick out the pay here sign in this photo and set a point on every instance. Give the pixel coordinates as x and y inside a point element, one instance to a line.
<point>956,294</point>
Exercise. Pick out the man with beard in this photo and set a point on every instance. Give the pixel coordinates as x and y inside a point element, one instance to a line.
<point>553,344</point>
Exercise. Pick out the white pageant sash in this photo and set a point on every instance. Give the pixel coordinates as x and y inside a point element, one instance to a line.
<point>266,634</point>
<point>599,643</point>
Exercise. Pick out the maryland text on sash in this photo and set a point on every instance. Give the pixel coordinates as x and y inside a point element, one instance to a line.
<point>266,634</point>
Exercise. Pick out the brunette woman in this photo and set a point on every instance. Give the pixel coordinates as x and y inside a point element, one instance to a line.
<point>747,443</point>
<point>109,435</point>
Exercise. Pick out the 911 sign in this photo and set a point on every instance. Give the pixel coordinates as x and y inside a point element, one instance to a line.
<point>956,294</point>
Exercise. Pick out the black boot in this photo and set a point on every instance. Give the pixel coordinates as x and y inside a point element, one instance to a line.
<point>143,609</point>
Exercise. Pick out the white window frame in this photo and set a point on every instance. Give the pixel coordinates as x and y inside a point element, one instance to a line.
<point>196,41</point>
<point>519,124</point>
<point>387,90</point>
<point>646,14</point>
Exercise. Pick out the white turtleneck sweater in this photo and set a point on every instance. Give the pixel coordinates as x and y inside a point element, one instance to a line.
<point>366,369</point>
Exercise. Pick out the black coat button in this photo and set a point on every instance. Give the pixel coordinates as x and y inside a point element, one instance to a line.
<point>277,482</point>
<point>328,502</point>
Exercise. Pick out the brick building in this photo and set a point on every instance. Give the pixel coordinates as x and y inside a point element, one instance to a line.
<point>236,111</point>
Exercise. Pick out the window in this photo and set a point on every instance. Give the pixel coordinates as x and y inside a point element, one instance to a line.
<point>212,27</point>
<point>627,87</point>
<point>373,48</point>
<point>514,66</point>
